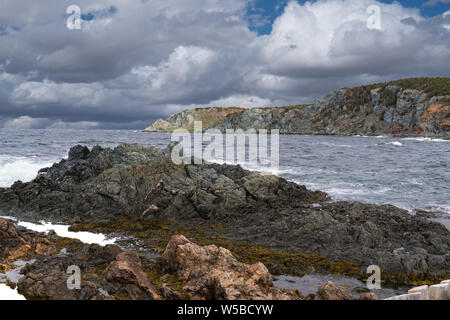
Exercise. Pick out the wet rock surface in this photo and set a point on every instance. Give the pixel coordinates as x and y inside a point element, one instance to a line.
<point>213,273</point>
<point>127,273</point>
<point>102,186</point>
<point>20,244</point>
<point>186,271</point>
<point>132,180</point>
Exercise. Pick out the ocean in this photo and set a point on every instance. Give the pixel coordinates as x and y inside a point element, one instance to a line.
<point>411,173</point>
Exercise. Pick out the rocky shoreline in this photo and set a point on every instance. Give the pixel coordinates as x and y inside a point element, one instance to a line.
<point>184,271</point>
<point>417,107</point>
<point>138,194</point>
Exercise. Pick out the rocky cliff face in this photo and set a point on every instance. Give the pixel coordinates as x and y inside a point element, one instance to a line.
<point>186,118</point>
<point>410,107</point>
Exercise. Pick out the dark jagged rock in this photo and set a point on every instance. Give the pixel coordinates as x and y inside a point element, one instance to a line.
<point>47,280</point>
<point>106,254</point>
<point>78,152</point>
<point>133,181</point>
<point>130,180</point>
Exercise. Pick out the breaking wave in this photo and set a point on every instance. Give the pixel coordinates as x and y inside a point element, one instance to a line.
<point>19,168</point>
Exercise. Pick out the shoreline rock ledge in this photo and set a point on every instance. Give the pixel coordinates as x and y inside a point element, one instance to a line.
<point>289,228</point>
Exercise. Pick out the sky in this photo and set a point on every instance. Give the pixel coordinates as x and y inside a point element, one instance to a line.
<point>133,61</point>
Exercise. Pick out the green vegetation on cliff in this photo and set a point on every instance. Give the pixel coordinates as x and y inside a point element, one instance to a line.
<point>431,86</point>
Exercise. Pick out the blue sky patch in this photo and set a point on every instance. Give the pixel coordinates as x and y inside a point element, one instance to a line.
<point>99,14</point>
<point>262,13</point>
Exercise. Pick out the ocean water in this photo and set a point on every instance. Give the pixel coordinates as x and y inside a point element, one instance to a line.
<point>412,173</point>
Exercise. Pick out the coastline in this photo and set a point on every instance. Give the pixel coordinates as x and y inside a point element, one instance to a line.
<point>445,137</point>
<point>252,226</point>
<point>408,107</point>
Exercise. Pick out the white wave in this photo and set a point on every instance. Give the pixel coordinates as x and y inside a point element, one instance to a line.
<point>9,218</point>
<point>422,139</point>
<point>395,143</point>
<point>416,181</point>
<point>6,293</point>
<point>378,137</point>
<point>439,208</point>
<point>63,231</point>
<point>19,168</point>
<point>335,145</point>
<point>344,191</point>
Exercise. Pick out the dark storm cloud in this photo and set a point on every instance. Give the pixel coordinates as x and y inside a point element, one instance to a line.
<point>135,61</point>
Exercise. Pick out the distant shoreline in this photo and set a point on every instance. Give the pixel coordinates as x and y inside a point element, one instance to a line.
<point>418,107</point>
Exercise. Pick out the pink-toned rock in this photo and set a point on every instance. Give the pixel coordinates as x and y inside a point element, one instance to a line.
<point>213,273</point>
<point>43,249</point>
<point>331,291</point>
<point>127,272</point>
<point>152,209</point>
<point>15,244</point>
<point>368,296</point>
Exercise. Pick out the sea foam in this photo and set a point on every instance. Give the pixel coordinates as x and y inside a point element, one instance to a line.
<point>19,168</point>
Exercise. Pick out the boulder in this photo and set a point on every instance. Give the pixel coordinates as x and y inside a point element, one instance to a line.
<point>213,273</point>
<point>126,271</point>
<point>48,280</point>
<point>368,296</point>
<point>107,253</point>
<point>331,291</point>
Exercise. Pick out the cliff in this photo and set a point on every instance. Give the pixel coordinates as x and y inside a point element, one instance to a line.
<point>185,119</point>
<point>410,107</point>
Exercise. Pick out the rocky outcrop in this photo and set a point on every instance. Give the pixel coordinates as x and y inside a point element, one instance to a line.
<point>409,107</point>
<point>213,273</point>
<point>108,273</point>
<point>47,280</point>
<point>185,119</point>
<point>331,291</point>
<point>15,244</point>
<point>99,186</point>
<point>126,271</point>
<point>131,180</point>
<point>184,271</point>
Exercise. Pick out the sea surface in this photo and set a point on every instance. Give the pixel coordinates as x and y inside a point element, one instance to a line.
<point>412,173</point>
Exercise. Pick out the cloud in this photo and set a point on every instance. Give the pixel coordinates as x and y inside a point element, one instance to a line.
<point>330,41</point>
<point>145,59</point>
<point>432,3</point>
<point>26,122</point>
